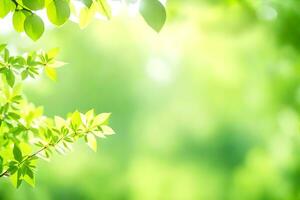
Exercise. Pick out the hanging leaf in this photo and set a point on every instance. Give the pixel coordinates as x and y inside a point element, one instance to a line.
<point>91,142</point>
<point>104,8</point>
<point>51,73</point>
<point>5,7</point>
<point>58,12</point>
<point>10,78</point>
<point>17,153</point>
<point>34,27</point>
<point>18,20</point>
<point>34,4</point>
<point>154,13</point>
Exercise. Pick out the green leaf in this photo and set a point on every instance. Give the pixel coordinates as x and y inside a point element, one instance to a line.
<point>154,13</point>
<point>107,130</point>
<point>86,15</point>
<point>5,7</point>
<point>51,73</point>
<point>1,164</point>
<point>34,27</point>
<point>29,176</point>
<point>76,119</point>
<point>59,122</point>
<point>56,64</point>
<point>6,55</point>
<point>104,8</point>
<point>18,21</point>
<point>10,78</point>
<point>34,4</point>
<point>17,153</point>
<point>24,74</point>
<point>101,119</point>
<point>58,12</point>
<point>16,178</point>
<point>87,3</point>
<point>2,47</point>
<point>52,53</point>
<point>91,141</point>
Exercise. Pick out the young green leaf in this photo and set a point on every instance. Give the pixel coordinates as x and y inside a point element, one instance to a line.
<point>5,7</point>
<point>16,178</point>
<point>101,119</point>
<point>92,142</point>
<point>34,26</point>
<point>29,176</point>
<point>58,12</point>
<point>154,13</point>
<point>34,5</point>
<point>10,78</point>
<point>2,47</point>
<point>52,53</point>
<point>18,20</point>
<point>107,130</point>
<point>87,3</point>
<point>1,164</point>
<point>104,8</point>
<point>51,73</point>
<point>86,15</point>
<point>76,119</point>
<point>17,153</point>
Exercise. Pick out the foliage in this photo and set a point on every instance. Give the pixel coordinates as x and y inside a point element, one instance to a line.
<point>25,133</point>
<point>27,19</point>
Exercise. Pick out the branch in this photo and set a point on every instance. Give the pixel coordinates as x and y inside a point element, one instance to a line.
<point>6,172</point>
<point>23,7</point>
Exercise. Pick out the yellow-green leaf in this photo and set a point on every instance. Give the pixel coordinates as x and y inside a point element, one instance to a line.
<point>92,142</point>
<point>51,73</point>
<point>104,8</point>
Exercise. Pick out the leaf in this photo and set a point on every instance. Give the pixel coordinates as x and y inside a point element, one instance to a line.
<point>10,78</point>
<point>86,15</point>
<point>52,53</point>
<point>107,130</point>
<point>87,3</point>
<point>104,8</point>
<point>18,21</point>
<point>51,73</point>
<point>17,153</point>
<point>2,47</point>
<point>6,55</point>
<point>13,115</point>
<point>34,4</point>
<point>24,74</point>
<point>16,179</point>
<point>29,176</point>
<point>34,27</point>
<point>58,12</point>
<point>154,13</point>
<point>92,142</point>
<point>59,122</point>
<point>5,7</point>
<point>101,119</point>
<point>1,164</point>
<point>76,119</point>
<point>56,64</point>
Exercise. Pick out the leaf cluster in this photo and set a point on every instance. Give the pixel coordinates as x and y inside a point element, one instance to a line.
<point>25,133</point>
<point>26,18</point>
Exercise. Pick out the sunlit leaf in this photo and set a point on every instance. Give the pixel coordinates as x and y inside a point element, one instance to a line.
<point>58,12</point>
<point>34,27</point>
<point>154,13</point>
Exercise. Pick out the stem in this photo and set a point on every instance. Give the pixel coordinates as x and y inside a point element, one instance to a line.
<point>6,173</point>
<point>23,7</point>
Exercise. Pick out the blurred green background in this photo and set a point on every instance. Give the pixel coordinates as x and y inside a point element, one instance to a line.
<point>206,110</point>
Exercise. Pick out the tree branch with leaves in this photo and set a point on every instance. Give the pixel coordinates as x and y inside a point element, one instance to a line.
<point>27,135</point>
